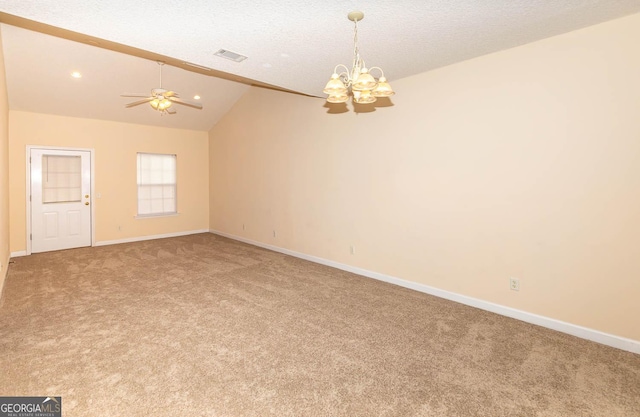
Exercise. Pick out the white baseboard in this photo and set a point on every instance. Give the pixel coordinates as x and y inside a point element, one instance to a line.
<point>550,323</point>
<point>150,237</point>
<point>3,278</point>
<point>130,239</point>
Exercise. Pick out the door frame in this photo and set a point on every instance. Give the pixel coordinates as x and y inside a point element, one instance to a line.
<point>28,188</point>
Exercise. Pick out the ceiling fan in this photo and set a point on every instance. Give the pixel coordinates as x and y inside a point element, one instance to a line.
<point>160,99</point>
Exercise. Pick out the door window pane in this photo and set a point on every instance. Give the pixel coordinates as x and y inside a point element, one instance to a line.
<point>61,179</point>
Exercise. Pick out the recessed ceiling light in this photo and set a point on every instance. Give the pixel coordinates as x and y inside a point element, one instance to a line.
<point>196,97</point>
<point>76,74</point>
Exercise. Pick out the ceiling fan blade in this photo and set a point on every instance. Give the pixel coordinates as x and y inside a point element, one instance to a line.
<point>134,95</point>
<point>170,94</point>
<point>185,103</point>
<point>136,103</point>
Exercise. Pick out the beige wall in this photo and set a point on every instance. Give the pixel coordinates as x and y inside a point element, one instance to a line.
<point>115,145</point>
<point>4,172</point>
<point>524,163</point>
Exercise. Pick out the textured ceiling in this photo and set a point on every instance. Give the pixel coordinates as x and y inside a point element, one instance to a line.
<point>290,44</point>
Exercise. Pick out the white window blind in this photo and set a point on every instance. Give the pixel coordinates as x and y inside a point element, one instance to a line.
<point>61,179</point>
<point>156,184</point>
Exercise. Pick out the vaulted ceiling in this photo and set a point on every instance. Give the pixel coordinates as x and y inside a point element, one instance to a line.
<point>290,45</point>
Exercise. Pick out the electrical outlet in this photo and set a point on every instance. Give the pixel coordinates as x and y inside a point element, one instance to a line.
<point>242,226</point>
<point>274,233</point>
<point>352,249</point>
<point>514,284</point>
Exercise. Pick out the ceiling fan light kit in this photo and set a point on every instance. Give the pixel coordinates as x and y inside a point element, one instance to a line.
<point>160,103</point>
<point>357,81</point>
<point>160,99</point>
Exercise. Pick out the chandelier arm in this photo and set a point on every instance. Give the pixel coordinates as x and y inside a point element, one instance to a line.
<point>335,70</point>
<point>344,75</point>
<point>379,69</point>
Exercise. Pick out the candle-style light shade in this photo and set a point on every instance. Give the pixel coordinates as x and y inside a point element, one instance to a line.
<point>338,98</point>
<point>365,81</point>
<point>335,85</point>
<point>383,89</point>
<point>363,97</point>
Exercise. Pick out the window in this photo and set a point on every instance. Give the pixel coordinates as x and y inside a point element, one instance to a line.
<point>156,184</point>
<point>61,179</point>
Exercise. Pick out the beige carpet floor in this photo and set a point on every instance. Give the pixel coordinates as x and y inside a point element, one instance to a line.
<point>205,326</point>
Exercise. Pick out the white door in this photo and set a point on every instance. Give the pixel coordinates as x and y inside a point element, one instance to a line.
<point>60,199</point>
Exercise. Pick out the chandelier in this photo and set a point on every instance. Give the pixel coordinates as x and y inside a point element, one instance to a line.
<point>364,87</point>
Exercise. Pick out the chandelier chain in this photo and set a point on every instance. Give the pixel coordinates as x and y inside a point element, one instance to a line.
<point>356,52</point>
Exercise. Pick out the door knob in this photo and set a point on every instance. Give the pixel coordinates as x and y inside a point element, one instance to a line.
<point>86,196</point>
<point>86,204</point>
